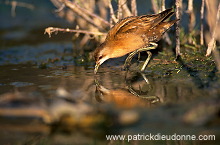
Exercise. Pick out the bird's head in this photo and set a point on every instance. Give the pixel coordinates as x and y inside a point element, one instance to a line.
<point>101,54</point>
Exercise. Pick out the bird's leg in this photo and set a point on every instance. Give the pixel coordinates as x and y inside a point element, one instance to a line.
<point>129,58</point>
<point>146,61</point>
<point>132,54</point>
<point>154,46</point>
<point>139,55</point>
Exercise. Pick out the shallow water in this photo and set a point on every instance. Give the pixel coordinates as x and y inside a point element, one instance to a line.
<point>136,103</point>
<point>49,94</point>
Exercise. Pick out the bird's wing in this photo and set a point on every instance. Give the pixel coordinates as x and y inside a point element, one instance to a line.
<point>145,22</point>
<point>112,32</point>
<point>149,27</point>
<point>157,32</point>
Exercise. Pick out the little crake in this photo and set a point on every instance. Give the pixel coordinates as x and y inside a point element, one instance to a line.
<point>132,35</point>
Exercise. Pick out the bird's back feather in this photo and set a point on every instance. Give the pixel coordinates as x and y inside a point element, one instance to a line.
<point>138,24</point>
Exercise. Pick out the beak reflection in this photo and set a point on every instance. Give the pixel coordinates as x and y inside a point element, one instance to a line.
<point>96,68</point>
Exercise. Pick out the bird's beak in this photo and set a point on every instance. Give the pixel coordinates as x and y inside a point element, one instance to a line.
<point>96,67</point>
<point>98,63</point>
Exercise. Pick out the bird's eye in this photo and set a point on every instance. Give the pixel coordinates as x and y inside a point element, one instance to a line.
<point>100,57</point>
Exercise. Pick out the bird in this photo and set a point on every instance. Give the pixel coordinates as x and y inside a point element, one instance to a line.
<point>132,35</point>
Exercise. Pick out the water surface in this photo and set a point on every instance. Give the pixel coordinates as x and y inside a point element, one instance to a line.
<point>49,94</point>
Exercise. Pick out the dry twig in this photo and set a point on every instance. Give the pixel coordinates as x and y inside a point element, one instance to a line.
<point>81,13</point>
<point>91,14</point>
<point>14,4</point>
<point>51,30</point>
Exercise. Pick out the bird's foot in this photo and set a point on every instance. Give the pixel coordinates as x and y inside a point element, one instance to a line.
<point>126,65</point>
<point>140,66</point>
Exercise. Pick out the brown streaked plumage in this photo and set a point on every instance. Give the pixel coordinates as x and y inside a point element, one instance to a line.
<point>124,99</point>
<point>132,34</point>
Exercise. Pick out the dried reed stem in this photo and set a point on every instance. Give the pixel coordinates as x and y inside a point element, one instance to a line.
<point>178,4</point>
<point>163,5</point>
<point>15,4</point>
<point>119,14</point>
<point>134,7</point>
<point>125,10</point>
<point>91,14</point>
<point>113,18</point>
<point>201,23</point>
<point>212,43</point>
<point>191,15</point>
<point>166,36</point>
<point>57,4</point>
<point>191,19</point>
<point>51,30</point>
<point>81,13</point>
<point>154,6</point>
<point>20,4</point>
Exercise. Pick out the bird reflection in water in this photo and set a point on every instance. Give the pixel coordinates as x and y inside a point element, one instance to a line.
<point>126,97</point>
